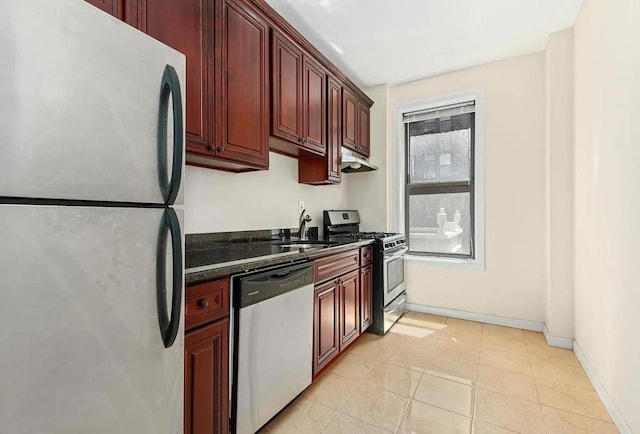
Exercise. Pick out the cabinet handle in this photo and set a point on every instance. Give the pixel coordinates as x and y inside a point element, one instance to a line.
<point>203,303</point>
<point>221,148</point>
<point>355,258</point>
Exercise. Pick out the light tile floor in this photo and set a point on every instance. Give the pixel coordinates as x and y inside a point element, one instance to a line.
<point>440,375</point>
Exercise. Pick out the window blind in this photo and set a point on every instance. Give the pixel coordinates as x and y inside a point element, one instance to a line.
<point>440,112</point>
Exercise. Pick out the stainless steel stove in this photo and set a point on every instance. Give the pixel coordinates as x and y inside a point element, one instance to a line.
<point>389,249</point>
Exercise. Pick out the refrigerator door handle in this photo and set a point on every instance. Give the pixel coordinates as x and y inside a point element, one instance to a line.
<point>169,326</point>
<point>170,88</point>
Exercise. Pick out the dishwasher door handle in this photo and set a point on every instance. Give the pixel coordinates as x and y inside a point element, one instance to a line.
<point>260,287</point>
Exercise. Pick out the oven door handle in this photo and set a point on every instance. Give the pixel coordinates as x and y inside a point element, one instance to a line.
<point>396,254</point>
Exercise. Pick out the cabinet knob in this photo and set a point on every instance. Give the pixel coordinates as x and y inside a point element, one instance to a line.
<point>300,140</point>
<point>203,303</point>
<point>210,148</point>
<point>355,258</point>
<point>221,148</point>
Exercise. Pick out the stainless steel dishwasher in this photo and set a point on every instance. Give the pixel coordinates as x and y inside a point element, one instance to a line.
<point>272,343</point>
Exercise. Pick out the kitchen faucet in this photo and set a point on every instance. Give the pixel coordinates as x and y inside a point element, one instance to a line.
<point>303,222</point>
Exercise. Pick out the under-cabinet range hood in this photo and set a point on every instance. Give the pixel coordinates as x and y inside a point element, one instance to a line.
<point>352,162</point>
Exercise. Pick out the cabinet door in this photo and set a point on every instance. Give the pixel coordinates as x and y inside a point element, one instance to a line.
<point>286,121</point>
<point>366,297</point>
<point>242,104</point>
<point>327,169</point>
<point>186,26</point>
<point>349,308</point>
<point>314,104</point>
<point>112,7</point>
<point>334,119</point>
<point>326,343</point>
<point>362,144</point>
<point>349,119</point>
<point>206,386</point>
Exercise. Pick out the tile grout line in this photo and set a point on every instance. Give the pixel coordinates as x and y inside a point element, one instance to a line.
<point>610,422</point>
<point>350,395</point>
<point>361,382</point>
<point>367,422</point>
<point>475,407</point>
<point>380,361</point>
<point>411,399</point>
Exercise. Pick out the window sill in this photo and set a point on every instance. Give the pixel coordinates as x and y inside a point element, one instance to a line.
<point>433,261</point>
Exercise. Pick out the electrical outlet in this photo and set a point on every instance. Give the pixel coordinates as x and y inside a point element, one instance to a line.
<point>300,206</point>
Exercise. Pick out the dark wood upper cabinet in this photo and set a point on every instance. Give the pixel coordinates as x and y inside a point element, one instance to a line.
<point>349,308</point>
<point>286,89</point>
<point>298,100</point>
<point>366,297</point>
<point>326,311</point>
<point>362,144</point>
<point>314,105</point>
<point>245,96</point>
<point>349,120</point>
<point>242,99</point>
<point>334,121</point>
<point>355,123</point>
<point>125,10</point>
<point>334,130</point>
<point>327,169</point>
<point>227,96</point>
<point>206,386</point>
<point>186,29</point>
<point>112,7</point>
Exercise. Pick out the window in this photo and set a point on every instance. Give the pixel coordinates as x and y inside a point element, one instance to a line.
<point>439,190</point>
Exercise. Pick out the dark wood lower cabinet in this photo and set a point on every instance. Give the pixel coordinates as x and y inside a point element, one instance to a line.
<point>206,375</point>
<point>349,308</point>
<point>366,297</point>
<point>342,304</point>
<point>326,341</point>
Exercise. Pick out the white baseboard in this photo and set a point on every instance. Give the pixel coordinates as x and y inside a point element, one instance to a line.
<point>479,317</point>
<point>557,341</point>
<point>615,414</point>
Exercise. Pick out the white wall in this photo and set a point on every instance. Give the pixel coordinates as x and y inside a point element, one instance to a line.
<point>514,280</point>
<point>559,143</point>
<point>367,191</point>
<point>607,198</point>
<point>217,201</point>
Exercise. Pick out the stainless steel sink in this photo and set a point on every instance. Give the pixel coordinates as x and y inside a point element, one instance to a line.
<point>304,245</point>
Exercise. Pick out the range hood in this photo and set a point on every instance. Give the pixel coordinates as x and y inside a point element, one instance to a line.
<point>352,162</point>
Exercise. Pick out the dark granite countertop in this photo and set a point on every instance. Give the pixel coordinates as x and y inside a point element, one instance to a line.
<point>209,256</point>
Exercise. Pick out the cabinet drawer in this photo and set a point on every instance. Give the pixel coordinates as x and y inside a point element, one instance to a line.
<point>336,265</point>
<point>206,302</point>
<point>366,255</point>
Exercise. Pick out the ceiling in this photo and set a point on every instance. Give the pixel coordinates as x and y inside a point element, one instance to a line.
<point>393,41</point>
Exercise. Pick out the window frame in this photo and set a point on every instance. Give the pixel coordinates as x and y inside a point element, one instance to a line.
<point>433,188</point>
<point>399,179</point>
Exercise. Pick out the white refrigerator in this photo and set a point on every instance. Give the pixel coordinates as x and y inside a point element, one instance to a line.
<point>91,263</point>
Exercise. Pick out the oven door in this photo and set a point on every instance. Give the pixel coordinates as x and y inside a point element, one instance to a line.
<point>393,274</point>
